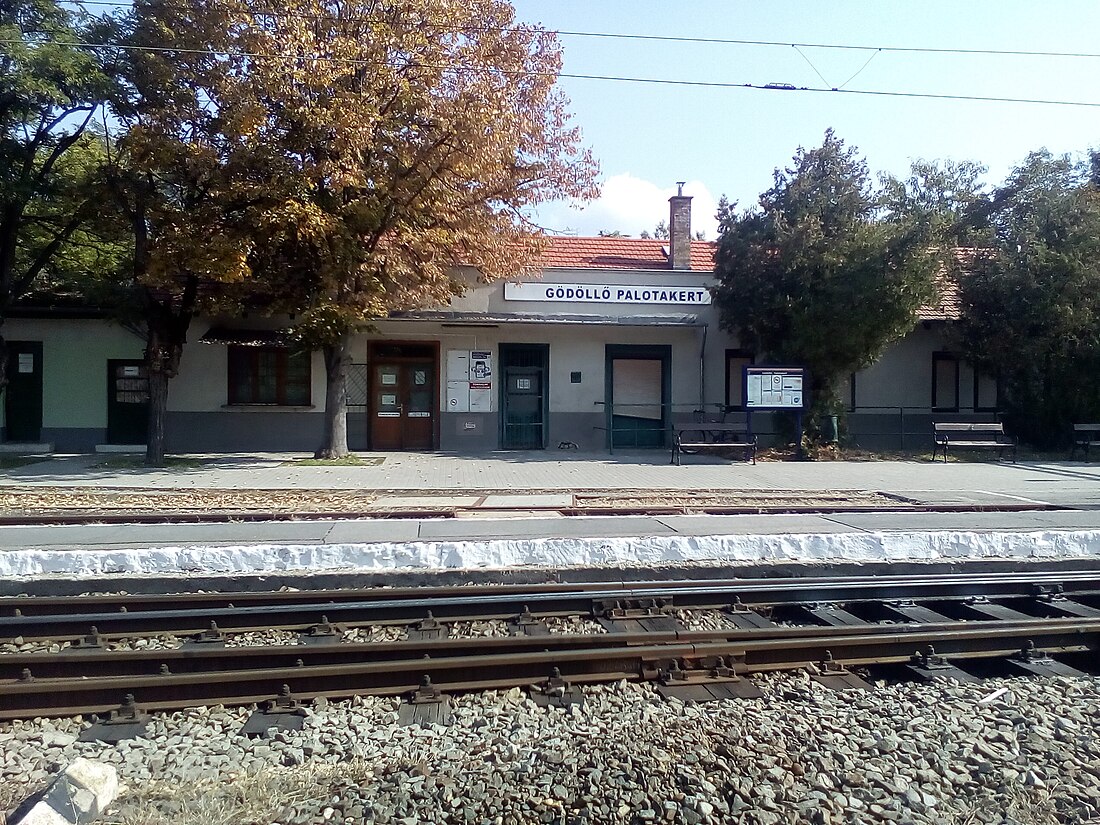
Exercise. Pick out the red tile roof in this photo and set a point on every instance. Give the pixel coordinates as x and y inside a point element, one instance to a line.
<point>640,253</point>
<point>948,305</point>
<point>620,253</point>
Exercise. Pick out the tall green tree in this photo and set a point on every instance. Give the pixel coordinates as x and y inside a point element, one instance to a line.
<point>50,91</point>
<point>1031,299</point>
<point>823,272</point>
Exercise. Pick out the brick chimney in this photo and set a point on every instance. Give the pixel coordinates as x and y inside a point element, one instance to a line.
<point>679,228</point>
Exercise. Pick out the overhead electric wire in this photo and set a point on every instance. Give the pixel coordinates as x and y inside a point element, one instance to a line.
<point>665,38</point>
<point>711,84</point>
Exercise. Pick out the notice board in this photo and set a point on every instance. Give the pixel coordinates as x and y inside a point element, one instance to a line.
<point>774,388</point>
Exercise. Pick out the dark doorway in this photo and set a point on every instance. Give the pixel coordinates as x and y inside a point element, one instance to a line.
<point>23,397</point>
<point>127,402</point>
<point>524,396</point>
<point>637,394</point>
<point>404,396</point>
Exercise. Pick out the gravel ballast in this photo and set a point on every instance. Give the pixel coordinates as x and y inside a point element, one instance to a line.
<point>1002,751</point>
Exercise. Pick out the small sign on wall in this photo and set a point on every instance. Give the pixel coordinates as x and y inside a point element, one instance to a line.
<point>458,396</point>
<point>26,362</point>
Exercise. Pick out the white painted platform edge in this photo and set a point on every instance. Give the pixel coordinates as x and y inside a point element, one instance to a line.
<point>558,552</point>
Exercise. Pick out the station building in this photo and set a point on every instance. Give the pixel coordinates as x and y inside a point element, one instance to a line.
<point>616,340</point>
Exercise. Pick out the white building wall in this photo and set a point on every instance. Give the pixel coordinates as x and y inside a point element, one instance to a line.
<point>203,381</point>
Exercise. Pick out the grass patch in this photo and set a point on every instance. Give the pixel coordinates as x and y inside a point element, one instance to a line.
<point>137,462</point>
<point>350,460</point>
<point>10,462</point>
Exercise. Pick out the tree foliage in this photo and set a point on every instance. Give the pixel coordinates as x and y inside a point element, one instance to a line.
<point>410,137</point>
<point>186,180</point>
<point>823,272</point>
<point>336,163</point>
<point>1031,298</point>
<point>50,91</point>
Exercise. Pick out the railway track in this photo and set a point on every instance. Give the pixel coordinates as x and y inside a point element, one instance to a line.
<point>1039,593</point>
<point>1004,620</point>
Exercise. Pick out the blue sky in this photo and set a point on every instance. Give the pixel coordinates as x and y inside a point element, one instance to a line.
<point>728,141</point>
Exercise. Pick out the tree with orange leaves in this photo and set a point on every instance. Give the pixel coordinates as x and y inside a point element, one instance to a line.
<point>339,160</point>
<point>415,136</point>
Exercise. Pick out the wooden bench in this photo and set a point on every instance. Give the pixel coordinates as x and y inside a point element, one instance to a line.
<point>972,437</point>
<point>1085,436</point>
<point>694,438</point>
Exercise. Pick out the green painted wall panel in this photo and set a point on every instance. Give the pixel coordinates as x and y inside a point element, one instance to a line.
<point>74,359</point>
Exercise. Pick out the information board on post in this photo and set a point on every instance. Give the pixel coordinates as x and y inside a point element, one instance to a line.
<point>774,388</point>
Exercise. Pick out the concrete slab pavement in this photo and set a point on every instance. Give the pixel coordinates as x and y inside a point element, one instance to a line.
<point>550,471</point>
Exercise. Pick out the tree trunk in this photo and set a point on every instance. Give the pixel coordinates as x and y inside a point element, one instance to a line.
<point>158,410</point>
<point>337,358</point>
<point>3,360</point>
<point>165,337</point>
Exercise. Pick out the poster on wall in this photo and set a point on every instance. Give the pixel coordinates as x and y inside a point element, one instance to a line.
<point>481,366</point>
<point>458,396</point>
<point>481,397</point>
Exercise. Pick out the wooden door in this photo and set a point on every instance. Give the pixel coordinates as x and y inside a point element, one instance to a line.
<point>403,403</point>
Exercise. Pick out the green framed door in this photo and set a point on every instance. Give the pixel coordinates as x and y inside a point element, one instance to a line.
<point>638,392</point>
<point>23,397</point>
<point>524,396</point>
<point>127,402</point>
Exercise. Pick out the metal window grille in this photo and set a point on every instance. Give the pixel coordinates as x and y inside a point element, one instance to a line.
<point>357,385</point>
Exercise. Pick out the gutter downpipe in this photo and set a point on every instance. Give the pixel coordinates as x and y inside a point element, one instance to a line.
<point>703,370</point>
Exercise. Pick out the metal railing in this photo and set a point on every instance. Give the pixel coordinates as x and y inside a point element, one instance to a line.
<point>913,426</point>
<point>671,413</point>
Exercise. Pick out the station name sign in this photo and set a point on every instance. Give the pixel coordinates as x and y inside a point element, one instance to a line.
<point>606,293</point>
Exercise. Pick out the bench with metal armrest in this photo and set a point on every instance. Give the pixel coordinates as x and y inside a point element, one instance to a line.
<point>694,438</point>
<point>1085,436</point>
<point>972,437</point>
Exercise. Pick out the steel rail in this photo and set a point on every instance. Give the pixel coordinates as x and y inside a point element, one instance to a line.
<point>133,602</point>
<point>581,659</point>
<point>490,603</point>
<point>204,658</point>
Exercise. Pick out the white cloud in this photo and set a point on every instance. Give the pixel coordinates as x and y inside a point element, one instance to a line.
<point>632,205</point>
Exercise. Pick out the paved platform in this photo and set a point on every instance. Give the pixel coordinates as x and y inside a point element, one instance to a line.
<point>551,471</point>
<point>545,479</point>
